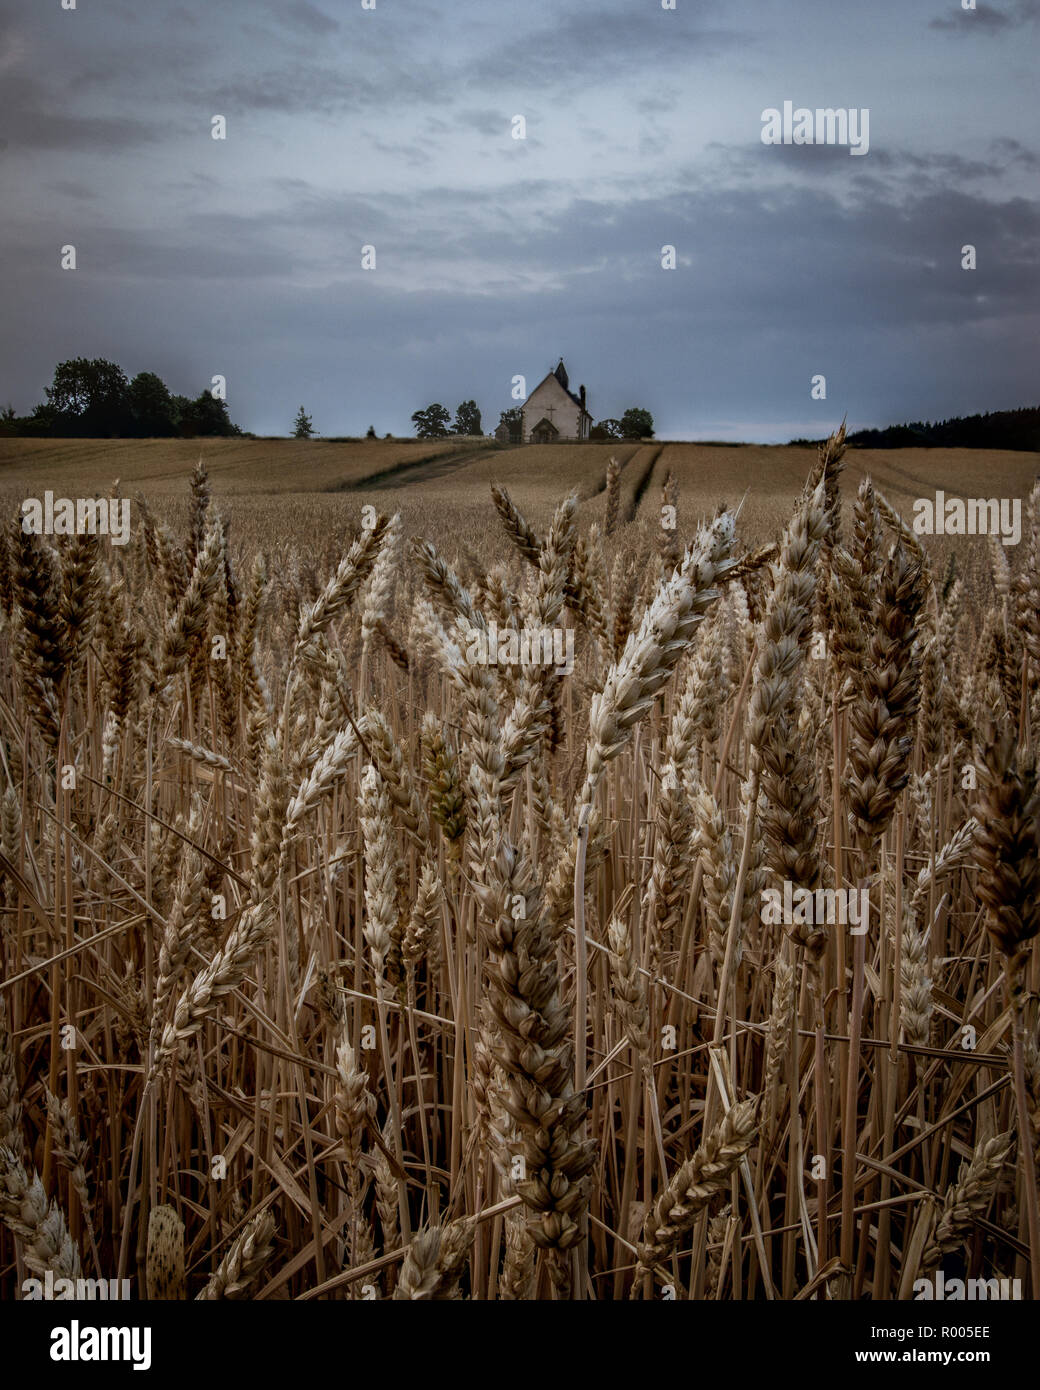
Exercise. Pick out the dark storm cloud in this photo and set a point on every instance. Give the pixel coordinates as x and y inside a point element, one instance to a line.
<point>124,258</point>
<point>952,169</point>
<point>990,19</point>
<point>73,188</point>
<point>787,245</point>
<point>68,89</point>
<point>596,46</point>
<point>307,16</point>
<point>656,102</point>
<point>487,121</point>
<point>1007,153</point>
<point>392,127</point>
<point>826,280</point>
<point>30,121</point>
<point>292,88</point>
<point>414,153</point>
<point>886,170</point>
<point>42,130</point>
<point>569,53</point>
<point>986,18</point>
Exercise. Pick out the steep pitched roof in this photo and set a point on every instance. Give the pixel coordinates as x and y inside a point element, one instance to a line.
<point>562,383</point>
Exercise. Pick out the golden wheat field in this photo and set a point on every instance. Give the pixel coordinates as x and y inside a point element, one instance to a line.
<point>355,946</point>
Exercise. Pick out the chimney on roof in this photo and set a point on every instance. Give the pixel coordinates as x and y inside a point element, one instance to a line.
<point>581,393</point>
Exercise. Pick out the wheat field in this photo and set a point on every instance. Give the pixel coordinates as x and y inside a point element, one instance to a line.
<point>340,963</point>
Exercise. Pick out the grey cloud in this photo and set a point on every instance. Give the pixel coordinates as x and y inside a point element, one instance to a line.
<point>362,350</point>
<point>485,121</point>
<point>655,102</point>
<point>293,88</point>
<point>126,259</point>
<point>652,144</point>
<point>791,261</point>
<point>594,135</point>
<point>606,244</point>
<point>938,168</point>
<point>988,18</point>
<point>307,16</point>
<point>267,62</point>
<point>414,153</point>
<point>74,188</point>
<point>887,168</point>
<point>36,129</point>
<point>1008,152</point>
<point>586,49</point>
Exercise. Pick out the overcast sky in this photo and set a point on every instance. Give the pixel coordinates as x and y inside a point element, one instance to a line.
<point>393,127</point>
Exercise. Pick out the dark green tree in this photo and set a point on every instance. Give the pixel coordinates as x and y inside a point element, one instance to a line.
<point>607,429</point>
<point>467,419</point>
<point>90,397</point>
<point>431,423</point>
<point>42,423</point>
<point>637,424</point>
<point>152,412</point>
<point>303,425</point>
<point>513,420</point>
<point>205,415</point>
<point>182,414</point>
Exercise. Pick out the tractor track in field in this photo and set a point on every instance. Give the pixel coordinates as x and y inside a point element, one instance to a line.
<point>422,470</point>
<point>642,482</point>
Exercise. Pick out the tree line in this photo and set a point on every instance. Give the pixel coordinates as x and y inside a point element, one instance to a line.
<point>997,429</point>
<point>435,423</point>
<point>93,398</point>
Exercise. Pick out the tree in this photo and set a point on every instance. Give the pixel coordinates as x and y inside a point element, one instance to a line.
<point>152,412</point>
<point>637,424</point>
<point>467,419</point>
<point>303,425</point>
<point>90,396</point>
<point>607,429</point>
<point>43,423</point>
<point>431,423</point>
<point>370,433</point>
<point>205,415</point>
<point>513,420</point>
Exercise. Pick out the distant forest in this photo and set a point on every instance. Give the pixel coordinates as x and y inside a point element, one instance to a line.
<point>997,429</point>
